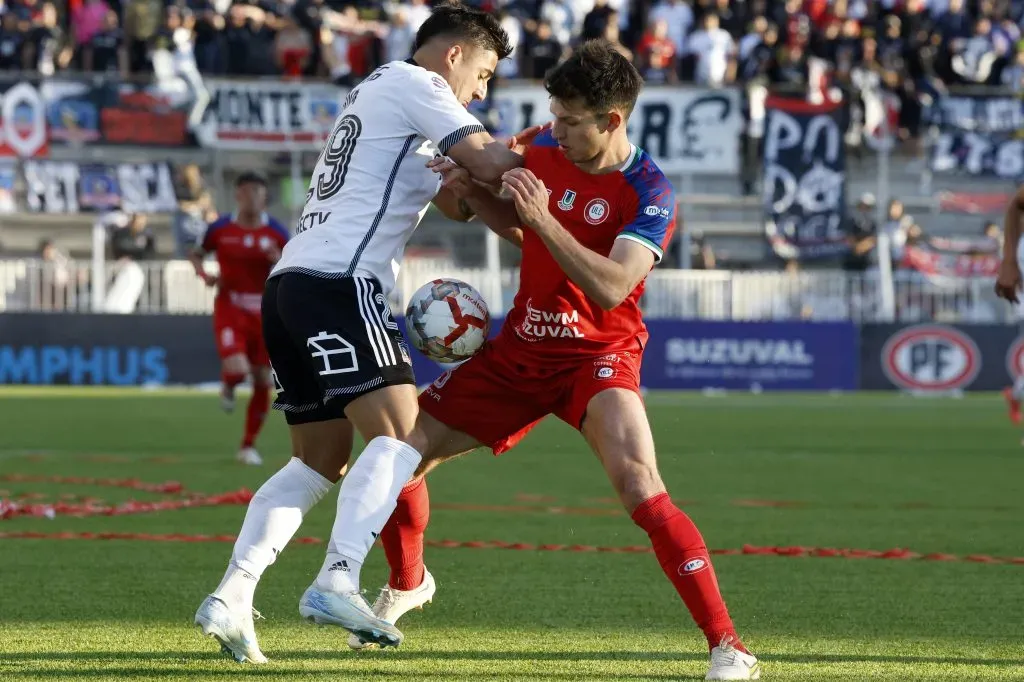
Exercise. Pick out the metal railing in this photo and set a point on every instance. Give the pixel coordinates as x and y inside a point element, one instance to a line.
<point>33,285</point>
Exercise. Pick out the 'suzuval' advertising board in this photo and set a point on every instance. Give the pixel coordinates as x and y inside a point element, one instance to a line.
<point>792,356</point>
<point>268,115</point>
<point>686,130</point>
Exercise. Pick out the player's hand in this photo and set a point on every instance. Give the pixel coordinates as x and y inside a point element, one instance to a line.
<point>454,177</point>
<point>210,280</point>
<point>524,138</point>
<point>1008,283</point>
<point>529,194</point>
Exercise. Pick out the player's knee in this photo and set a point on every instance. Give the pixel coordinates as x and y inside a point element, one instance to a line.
<point>636,480</point>
<point>324,447</point>
<point>236,364</point>
<point>329,464</point>
<point>261,378</point>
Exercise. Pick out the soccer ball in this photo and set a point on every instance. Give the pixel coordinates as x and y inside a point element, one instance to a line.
<point>447,320</point>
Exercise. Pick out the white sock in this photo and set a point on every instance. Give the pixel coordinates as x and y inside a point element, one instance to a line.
<point>368,496</point>
<point>1018,387</point>
<point>274,514</point>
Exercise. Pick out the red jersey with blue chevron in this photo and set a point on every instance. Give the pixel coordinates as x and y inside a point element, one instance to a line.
<point>242,253</point>
<point>552,319</point>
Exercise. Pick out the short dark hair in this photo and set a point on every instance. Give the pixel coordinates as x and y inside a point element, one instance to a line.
<point>464,23</point>
<point>253,177</point>
<point>598,75</point>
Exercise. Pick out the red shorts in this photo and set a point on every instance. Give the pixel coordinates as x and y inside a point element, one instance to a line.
<point>239,331</point>
<point>498,399</point>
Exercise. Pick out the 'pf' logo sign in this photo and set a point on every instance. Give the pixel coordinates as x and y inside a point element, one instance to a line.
<point>931,358</point>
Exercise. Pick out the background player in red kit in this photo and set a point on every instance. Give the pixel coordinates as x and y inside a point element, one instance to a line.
<point>247,244</point>
<point>596,214</point>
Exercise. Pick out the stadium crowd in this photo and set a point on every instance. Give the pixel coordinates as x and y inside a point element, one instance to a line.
<point>911,46</point>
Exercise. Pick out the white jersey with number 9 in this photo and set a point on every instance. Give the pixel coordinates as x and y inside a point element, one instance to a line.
<point>371,185</point>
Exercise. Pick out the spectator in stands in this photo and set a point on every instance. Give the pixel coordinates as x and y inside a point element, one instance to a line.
<point>702,256</point>
<point>715,52</point>
<point>209,42</point>
<point>143,20</point>
<point>543,52</point>
<point>129,244</point>
<point>13,53</point>
<point>293,48</point>
<point>88,19</point>
<point>558,16</point>
<point>953,23</point>
<point>54,285</point>
<point>975,57</point>
<point>509,68</point>
<point>611,35</point>
<point>732,16</point>
<point>105,52</point>
<point>134,241</point>
<point>861,234</point>
<point>334,48</point>
<point>992,231</point>
<point>656,54</point>
<point>597,20</point>
<point>249,42</point>
<point>1013,76</point>
<point>400,36</point>
<point>896,226</point>
<point>679,17</point>
<point>49,49</point>
<point>195,206</point>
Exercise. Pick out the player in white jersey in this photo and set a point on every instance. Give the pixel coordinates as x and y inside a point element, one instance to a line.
<point>1008,286</point>
<point>340,361</point>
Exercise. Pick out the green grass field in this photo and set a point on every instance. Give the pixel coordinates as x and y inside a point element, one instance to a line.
<point>863,471</point>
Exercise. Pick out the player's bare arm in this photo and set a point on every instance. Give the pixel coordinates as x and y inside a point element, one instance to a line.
<point>486,159</point>
<point>1008,283</point>
<point>195,257</point>
<point>461,198</point>
<point>607,280</point>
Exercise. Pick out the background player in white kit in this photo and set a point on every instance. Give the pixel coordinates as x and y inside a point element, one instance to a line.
<point>338,356</point>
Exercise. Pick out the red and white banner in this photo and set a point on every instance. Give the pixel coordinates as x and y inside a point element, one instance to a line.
<point>953,258</point>
<point>23,130</point>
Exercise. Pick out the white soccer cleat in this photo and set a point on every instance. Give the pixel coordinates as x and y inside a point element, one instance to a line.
<point>234,630</point>
<point>227,398</point>
<point>249,456</point>
<point>729,663</point>
<point>392,604</point>
<point>350,611</point>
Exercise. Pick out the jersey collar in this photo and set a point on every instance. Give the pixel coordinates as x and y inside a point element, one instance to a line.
<point>634,155</point>
<point>264,218</point>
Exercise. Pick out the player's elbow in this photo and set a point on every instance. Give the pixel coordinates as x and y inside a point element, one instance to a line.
<point>610,298</point>
<point>487,163</point>
<point>489,170</point>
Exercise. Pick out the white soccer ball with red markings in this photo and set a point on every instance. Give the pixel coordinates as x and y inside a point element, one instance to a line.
<point>447,320</point>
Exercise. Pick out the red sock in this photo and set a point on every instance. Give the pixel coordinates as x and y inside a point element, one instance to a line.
<point>402,536</point>
<point>685,560</point>
<point>230,379</point>
<point>255,413</point>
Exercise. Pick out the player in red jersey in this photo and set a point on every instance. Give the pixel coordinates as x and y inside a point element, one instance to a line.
<point>594,214</point>
<point>247,243</point>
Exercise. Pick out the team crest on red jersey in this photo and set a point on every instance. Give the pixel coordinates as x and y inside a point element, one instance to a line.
<point>567,200</point>
<point>596,211</point>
